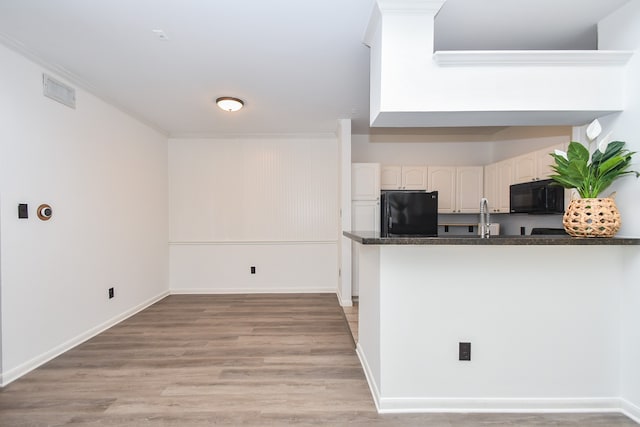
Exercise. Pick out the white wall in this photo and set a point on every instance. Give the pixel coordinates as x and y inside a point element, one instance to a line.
<point>267,202</point>
<point>542,339</point>
<point>621,30</point>
<point>105,175</point>
<point>468,147</point>
<point>513,141</point>
<point>416,150</point>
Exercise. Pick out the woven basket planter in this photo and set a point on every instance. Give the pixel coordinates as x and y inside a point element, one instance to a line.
<point>592,218</point>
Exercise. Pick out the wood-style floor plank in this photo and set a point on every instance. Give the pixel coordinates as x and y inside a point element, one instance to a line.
<point>201,360</point>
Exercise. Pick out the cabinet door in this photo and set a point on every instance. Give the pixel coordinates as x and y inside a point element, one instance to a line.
<point>391,177</point>
<point>414,178</point>
<point>365,181</point>
<point>545,161</point>
<point>443,180</point>
<point>525,168</point>
<point>469,184</point>
<point>365,216</point>
<point>491,186</point>
<point>505,179</point>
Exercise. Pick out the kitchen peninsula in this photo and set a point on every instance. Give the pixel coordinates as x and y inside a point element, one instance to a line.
<point>542,314</point>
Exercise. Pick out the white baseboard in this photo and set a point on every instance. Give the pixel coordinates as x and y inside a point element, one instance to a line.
<point>387,405</point>
<point>344,302</point>
<point>373,387</point>
<point>498,405</point>
<point>630,410</point>
<point>30,365</point>
<point>222,291</point>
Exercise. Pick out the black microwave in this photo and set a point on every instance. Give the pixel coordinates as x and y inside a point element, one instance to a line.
<point>537,197</point>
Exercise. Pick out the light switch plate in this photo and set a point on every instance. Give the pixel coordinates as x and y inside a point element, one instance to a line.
<point>23,211</point>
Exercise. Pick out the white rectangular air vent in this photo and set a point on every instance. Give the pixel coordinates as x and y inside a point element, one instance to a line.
<point>58,91</point>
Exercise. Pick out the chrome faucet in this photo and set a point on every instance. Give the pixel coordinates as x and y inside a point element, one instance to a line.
<point>484,218</point>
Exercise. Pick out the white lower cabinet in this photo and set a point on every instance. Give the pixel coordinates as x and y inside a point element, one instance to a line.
<point>459,188</point>
<point>365,215</point>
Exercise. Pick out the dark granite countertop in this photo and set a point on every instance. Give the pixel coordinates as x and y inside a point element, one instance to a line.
<point>374,238</point>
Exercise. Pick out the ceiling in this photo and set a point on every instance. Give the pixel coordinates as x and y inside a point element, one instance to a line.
<point>299,65</point>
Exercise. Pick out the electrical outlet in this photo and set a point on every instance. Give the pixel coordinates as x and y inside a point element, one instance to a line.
<point>253,269</point>
<point>464,351</point>
<point>111,293</point>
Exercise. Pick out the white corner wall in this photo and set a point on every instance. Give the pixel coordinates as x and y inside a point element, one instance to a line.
<point>270,202</point>
<point>344,145</point>
<point>621,30</point>
<point>105,176</point>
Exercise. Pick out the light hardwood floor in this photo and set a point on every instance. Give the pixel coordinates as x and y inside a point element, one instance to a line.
<point>351,314</point>
<point>203,360</point>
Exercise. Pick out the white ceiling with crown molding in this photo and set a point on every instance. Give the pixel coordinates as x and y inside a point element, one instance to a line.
<point>298,65</point>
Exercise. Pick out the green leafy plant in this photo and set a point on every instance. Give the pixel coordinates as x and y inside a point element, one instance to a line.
<point>591,174</point>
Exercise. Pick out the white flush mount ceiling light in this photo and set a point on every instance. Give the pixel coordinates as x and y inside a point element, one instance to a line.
<point>228,103</point>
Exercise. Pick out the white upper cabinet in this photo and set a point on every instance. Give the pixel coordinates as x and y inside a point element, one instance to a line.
<point>497,179</point>
<point>525,168</point>
<point>443,180</point>
<point>414,177</point>
<point>545,161</point>
<point>536,165</point>
<point>491,185</point>
<point>469,189</point>
<point>365,181</point>
<point>505,179</point>
<point>391,177</point>
<point>459,188</point>
<point>403,178</point>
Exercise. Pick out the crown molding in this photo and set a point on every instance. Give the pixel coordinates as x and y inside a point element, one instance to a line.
<point>532,57</point>
<point>73,79</point>
<point>258,136</point>
<point>431,7</point>
<point>398,7</point>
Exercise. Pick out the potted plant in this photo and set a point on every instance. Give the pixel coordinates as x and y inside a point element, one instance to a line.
<point>590,174</point>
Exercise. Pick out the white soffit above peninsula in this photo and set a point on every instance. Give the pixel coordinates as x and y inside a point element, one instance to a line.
<point>411,86</point>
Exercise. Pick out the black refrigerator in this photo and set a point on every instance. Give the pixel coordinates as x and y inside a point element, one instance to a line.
<point>409,213</point>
